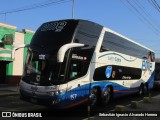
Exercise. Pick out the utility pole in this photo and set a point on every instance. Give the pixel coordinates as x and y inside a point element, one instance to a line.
<point>72,9</point>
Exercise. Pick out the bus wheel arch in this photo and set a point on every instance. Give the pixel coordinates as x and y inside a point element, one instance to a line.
<point>107,95</point>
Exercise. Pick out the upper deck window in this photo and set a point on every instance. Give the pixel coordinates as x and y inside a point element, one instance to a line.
<point>88,33</point>
<point>114,42</point>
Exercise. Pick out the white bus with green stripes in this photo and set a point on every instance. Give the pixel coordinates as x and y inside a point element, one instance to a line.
<point>71,62</point>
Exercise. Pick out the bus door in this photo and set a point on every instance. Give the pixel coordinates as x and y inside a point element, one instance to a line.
<point>78,67</point>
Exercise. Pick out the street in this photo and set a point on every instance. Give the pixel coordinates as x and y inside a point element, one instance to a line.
<point>15,104</point>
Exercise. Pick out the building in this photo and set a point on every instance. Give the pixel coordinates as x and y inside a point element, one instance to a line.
<point>11,69</point>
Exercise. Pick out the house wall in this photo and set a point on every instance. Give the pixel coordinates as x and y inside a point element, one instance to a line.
<point>13,67</point>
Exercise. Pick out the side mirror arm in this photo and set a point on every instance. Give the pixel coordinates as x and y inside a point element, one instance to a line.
<point>16,48</point>
<point>64,48</point>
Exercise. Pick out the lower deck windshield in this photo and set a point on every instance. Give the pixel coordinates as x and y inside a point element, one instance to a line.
<point>43,69</point>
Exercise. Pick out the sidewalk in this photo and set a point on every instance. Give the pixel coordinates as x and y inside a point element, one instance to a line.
<point>8,90</point>
<point>146,104</point>
<point>148,108</point>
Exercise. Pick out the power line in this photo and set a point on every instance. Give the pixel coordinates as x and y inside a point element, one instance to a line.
<point>72,9</point>
<point>148,16</point>
<point>155,5</point>
<point>35,6</point>
<point>142,15</point>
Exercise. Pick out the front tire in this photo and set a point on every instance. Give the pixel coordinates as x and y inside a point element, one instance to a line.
<point>93,97</point>
<point>143,89</point>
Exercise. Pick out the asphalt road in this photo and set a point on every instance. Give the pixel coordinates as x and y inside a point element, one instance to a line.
<point>15,104</point>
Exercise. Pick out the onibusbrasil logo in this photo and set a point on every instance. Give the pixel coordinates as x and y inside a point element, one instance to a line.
<point>20,114</point>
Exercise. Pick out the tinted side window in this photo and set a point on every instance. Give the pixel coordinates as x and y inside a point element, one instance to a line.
<point>116,73</point>
<point>79,62</point>
<point>88,33</point>
<point>119,44</point>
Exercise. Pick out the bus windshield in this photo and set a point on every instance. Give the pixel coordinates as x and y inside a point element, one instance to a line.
<point>41,65</point>
<point>43,69</point>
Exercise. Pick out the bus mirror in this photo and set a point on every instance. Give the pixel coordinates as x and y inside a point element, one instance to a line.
<point>16,48</point>
<point>64,48</point>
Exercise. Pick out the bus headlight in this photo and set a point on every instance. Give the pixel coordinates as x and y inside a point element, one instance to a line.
<point>61,91</point>
<point>52,93</point>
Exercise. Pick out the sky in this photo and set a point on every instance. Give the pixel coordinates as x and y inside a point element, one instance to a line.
<point>138,20</point>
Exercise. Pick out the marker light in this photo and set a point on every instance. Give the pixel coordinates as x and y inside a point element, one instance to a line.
<point>85,58</point>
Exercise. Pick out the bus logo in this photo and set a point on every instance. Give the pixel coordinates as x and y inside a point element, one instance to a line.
<point>108,71</point>
<point>53,26</point>
<point>6,114</point>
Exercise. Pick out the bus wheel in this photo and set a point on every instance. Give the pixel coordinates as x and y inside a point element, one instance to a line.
<point>143,89</point>
<point>106,96</point>
<point>93,97</point>
<point>140,92</point>
<point>146,91</point>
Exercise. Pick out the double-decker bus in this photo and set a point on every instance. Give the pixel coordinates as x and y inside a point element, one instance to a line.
<point>71,62</point>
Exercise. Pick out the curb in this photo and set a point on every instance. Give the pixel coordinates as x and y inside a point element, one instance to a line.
<point>8,94</point>
<point>9,90</point>
<point>135,105</point>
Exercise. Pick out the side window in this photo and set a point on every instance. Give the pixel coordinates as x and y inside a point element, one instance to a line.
<point>79,62</point>
<point>151,57</point>
<point>76,69</point>
<point>116,73</point>
<point>104,44</point>
<point>114,42</point>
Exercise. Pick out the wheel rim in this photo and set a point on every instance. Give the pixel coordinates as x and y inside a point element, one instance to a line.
<point>141,90</point>
<point>107,95</point>
<point>93,97</point>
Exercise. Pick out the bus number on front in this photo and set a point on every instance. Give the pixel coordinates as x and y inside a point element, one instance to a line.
<point>73,96</point>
